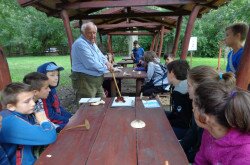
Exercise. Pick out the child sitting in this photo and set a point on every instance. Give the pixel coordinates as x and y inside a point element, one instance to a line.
<point>181,105</point>
<point>197,75</point>
<point>19,132</point>
<point>168,57</point>
<point>156,79</point>
<point>40,84</point>
<point>56,113</point>
<point>224,113</point>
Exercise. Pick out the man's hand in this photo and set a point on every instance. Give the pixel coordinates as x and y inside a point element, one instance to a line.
<point>110,66</point>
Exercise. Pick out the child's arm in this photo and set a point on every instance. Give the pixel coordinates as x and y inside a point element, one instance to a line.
<point>52,114</point>
<point>18,131</point>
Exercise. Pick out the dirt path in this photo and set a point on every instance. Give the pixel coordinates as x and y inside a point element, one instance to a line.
<point>67,96</point>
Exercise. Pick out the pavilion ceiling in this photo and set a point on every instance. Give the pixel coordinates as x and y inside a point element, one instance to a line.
<point>124,15</point>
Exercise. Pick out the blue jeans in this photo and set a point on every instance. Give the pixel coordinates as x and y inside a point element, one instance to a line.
<point>3,157</point>
<point>179,132</point>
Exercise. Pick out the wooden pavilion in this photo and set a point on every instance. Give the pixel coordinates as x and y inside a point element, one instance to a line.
<point>124,17</point>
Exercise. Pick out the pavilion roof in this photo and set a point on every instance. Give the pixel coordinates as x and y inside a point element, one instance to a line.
<point>124,15</point>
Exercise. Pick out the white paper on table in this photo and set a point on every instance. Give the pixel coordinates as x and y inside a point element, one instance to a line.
<point>129,102</point>
<point>89,100</point>
<point>151,103</point>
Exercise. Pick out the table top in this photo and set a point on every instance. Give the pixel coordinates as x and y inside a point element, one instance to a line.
<point>127,58</point>
<point>125,62</point>
<point>127,73</point>
<point>111,140</point>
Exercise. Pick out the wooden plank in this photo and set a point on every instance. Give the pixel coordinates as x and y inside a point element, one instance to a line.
<point>127,58</point>
<point>73,146</point>
<point>116,140</point>
<point>130,33</point>
<point>124,63</point>
<point>135,24</point>
<point>124,3</point>
<point>132,15</point>
<point>157,142</point>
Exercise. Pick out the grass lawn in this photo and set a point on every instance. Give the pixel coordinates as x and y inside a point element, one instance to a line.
<point>20,66</point>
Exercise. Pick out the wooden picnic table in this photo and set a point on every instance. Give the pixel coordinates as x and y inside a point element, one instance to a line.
<point>112,141</point>
<point>124,63</point>
<point>127,58</point>
<point>127,73</point>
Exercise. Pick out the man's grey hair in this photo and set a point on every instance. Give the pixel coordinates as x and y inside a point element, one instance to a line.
<point>88,24</point>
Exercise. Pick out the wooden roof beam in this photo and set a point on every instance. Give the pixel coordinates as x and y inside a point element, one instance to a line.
<point>113,10</point>
<point>155,20</point>
<point>105,31</point>
<point>131,15</point>
<point>129,33</point>
<point>122,3</point>
<point>25,3</point>
<point>127,25</point>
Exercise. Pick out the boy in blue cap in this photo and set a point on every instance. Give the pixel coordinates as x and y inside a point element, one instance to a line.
<point>56,113</point>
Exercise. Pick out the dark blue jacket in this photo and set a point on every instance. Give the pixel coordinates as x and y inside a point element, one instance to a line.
<point>4,160</point>
<point>19,134</point>
<point>56,113</point>
<point>138,54</point>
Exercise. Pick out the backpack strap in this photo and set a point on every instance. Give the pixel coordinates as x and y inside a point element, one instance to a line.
<point>19,154</point>
<point>164,73</point>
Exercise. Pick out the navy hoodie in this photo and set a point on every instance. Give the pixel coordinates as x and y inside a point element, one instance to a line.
<point>56,113</point>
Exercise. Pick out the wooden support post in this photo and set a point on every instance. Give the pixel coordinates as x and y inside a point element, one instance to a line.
<point>80,25</point>
<point>5,78</point>
<point>161,41</point>
<point>177,35</point>
<point>219,57</point>
<point>188,32</point>
<point>110,44</point>
<point>157,43</point>
<point>242,76</point>
<point>66,23</point>
<point>153,43</point>
<point>101,44</point>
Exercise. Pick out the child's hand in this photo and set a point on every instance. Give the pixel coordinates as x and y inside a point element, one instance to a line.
<point>41,116</point>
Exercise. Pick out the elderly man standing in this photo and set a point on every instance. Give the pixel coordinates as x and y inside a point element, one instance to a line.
<point>88,64</point>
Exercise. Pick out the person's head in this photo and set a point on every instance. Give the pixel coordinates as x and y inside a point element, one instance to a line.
<point>52,71</point>
<point>168,57</point>
<point>149,56</point>
<point>202,73</point>
<point>89,31</point>
<point>39,82</point>
<point>177,71</point>
<point>18,97</point>
<point>228,107</point>
<point>136,44</point>
<point>236,34</point>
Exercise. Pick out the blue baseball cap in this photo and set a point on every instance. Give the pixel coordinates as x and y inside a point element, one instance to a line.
<point>52,67</point>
